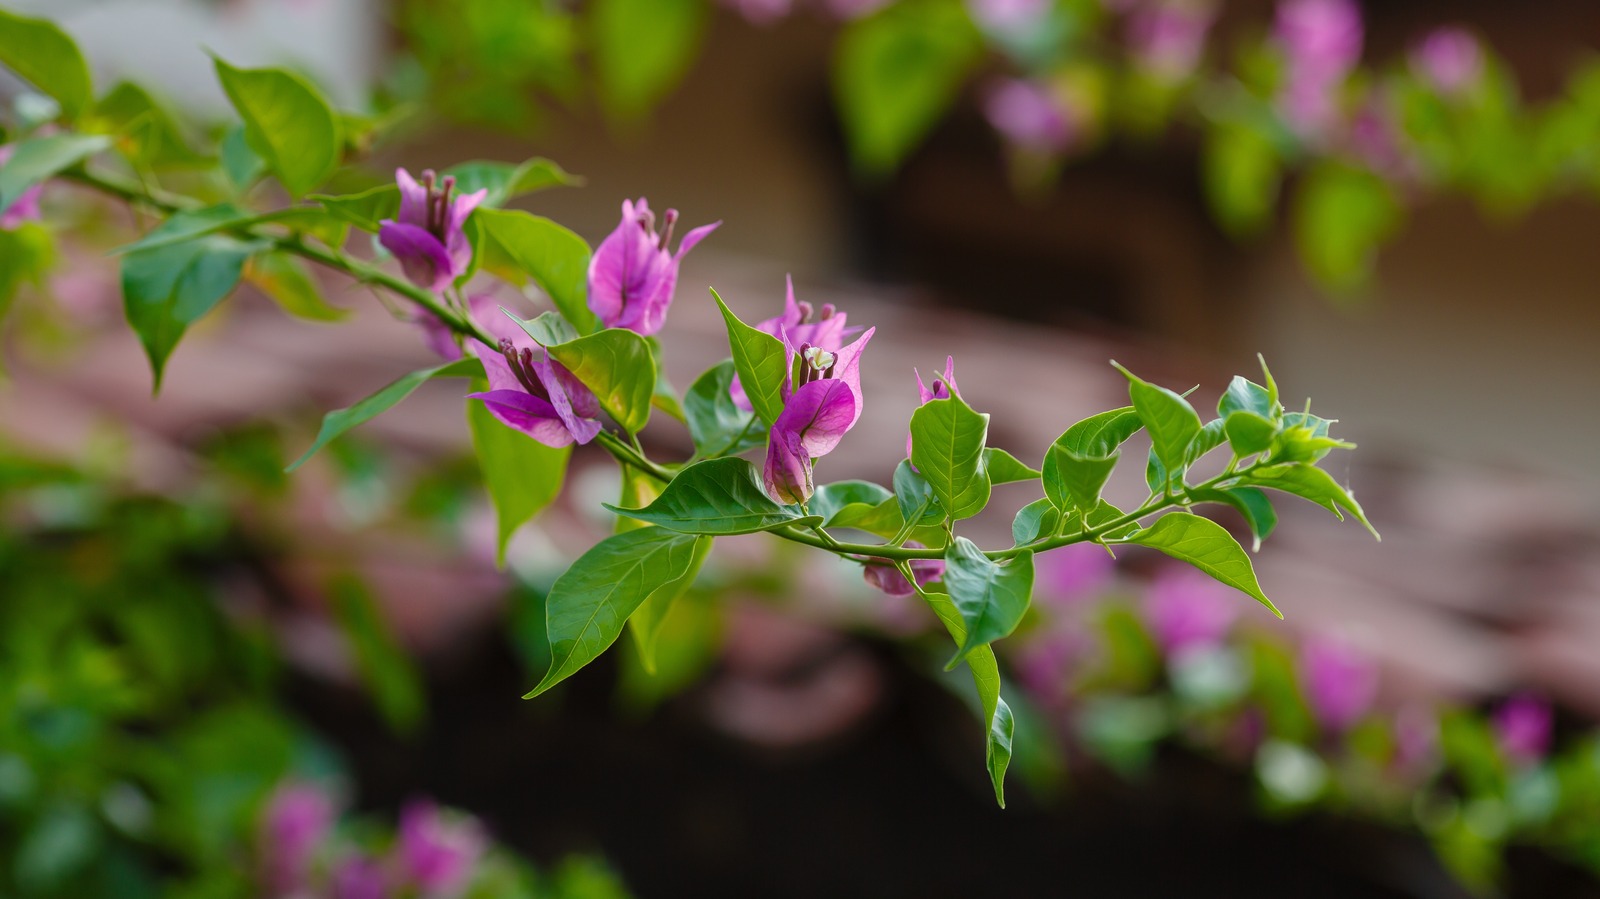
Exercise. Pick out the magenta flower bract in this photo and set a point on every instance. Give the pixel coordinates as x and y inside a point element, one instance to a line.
<point>1340,682</point>
<point>941,390</point>
<point>821,402</point>
<point>1320,41</point>
<point>803,325</point>
<point>1188,610</point>
<point>26,206</point>
<point>1029,115</point>
<point>438,852</point>
<point>632,276</point>
<point>297,820</point>
<point>359,877</point>
<point>1450,60</point>
<point>1522,726</point>
<point>1168,37</point>
<point>888,578</point>
<point>532,393</point>
<point>428,238</point>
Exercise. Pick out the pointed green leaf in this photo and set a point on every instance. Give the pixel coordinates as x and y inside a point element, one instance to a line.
<point>1004,468</point>
<point>718,426</point>
<point>1073,482</point>
<point>39,158</point>
<point>991,596</point>
<point>1249,433</point>
<point>1311,483</point>
<point>997,719</point>
<point>287,281</point>
<point>1171,421</point>
<point>947,442</point>
<point>339,421</point>
<point>521,475</point>
<point>645,623</point>
<point>915,497</point>
<point>618,366</point>
<point>39,51</point>
<point>1250,502</point>
<point>1039,518</point>
<point>505,181</point>
<point>166,290</point>
<point>146,132</point>
<point>546,329</point>
<point>242,165</point>
<point>1100,435</point>
<point>1244,395</point>
<point>589,604</point>
<point>1208,547</point>
<point>718,496</point>
<point>553,256</point>
<point>287,122</point>
<point>760,360</point>
<point>364,210</point>
<point>830,499</point>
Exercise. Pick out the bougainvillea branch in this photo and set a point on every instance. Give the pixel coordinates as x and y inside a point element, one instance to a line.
<point>588,370</point>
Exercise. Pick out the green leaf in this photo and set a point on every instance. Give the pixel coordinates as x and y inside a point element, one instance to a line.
<point>1242,171</point>
<point>505,181</point>
<point>188,226</point>
<point>553,256</point>
<point>882,519</point>
<point>384,666</point>
<point>291,286</point>
<point>947,441</point>
<point>1213,435</point>
<point>242,165</point>
<point>997,718</point>
<point>1342,215</point>
<point>546,329</point>
<point>166,290</point>
<point>642,48</point>
<point>1208,547</point>
<point>895,74</point>
<point>364,210</point>
<point>588,605</point>
<point>1037,519</point>
<point>1172,422</point>
<point>830,499</point>
<point>27,253</point>
<point>1310,483</point>
<point>147,133</point>
<point>46,56</point>
<point>760,360</point>
<point>312,221</point>
<point>991,596</point>
<point>39,158</point>
<point>1249,433</point>
<point>664,396</point>
<point>718,496</point>
<point>645,623</point>
<point>1244,395</point>
<point>617,365</point>
<point>1004,468</point>
<point>718,426</point>
<point>1073,482</point>
<point>1100,435</point>
<point>1250,502</point>
<point>915,497</point>
<point>339,421</point>
<point>287,122</point>
<point>521,475</point>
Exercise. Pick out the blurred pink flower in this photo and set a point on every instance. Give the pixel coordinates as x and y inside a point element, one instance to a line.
<point>1522,728</point>
<point>26,206</point>
<point>1168,37</point>
<point>297,820</point>
<point>761,12</point>
<point>888,578</point>
<point>1320,41</point>
<point>1070,574</point>
<point>1007,17</point>
<point>1449,59</point>
<point>359,877</point>
<point>1188,610</point>
<point>1030,116</point>
<point>1416,738</point>
<point>438,851</point>
<point>1340,681</point>
<point>1376,139</point>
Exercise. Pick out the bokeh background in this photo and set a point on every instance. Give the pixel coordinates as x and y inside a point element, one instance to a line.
<point>205,663</point>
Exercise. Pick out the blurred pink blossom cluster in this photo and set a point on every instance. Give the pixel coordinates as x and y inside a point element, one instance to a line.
<point>434,855</point>
<point>1319,42</point>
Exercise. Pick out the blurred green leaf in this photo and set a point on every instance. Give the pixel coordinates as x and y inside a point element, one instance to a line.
<point>522,475</point>
<point>288,282</point>
<point>553,256</point>
<point>287,122</point>
<point>339,421</point>
<point>385,667</point>
<point>642,49</point>
<point>1342,216</point>
<point>43,54</point>
<point>39,158</point>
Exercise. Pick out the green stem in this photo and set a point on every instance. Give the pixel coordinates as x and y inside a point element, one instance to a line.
<point>169,203</point>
